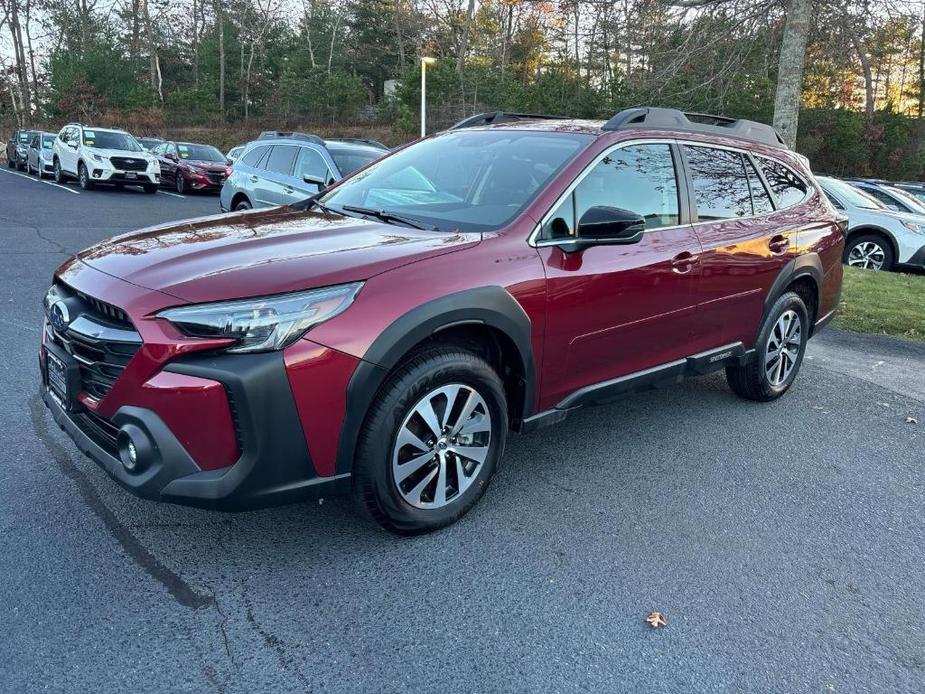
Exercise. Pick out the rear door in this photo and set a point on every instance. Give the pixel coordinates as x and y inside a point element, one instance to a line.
<point>746,239</point>
<point>274,182</point>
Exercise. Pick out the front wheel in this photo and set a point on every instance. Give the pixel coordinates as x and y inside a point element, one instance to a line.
<point>779,352</point>
<point>431,441</point>
<point>180,184</point>
<point>83,178</point>
<point>870,251</point>
<point>58,173</point>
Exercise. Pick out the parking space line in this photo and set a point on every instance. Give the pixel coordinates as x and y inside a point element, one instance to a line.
<point>182,197</point>
<point>21,175</point>
<point>58,185</point>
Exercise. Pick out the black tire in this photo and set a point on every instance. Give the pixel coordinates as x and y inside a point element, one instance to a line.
<point>374,486</point>
<point>19,165</point>
<point>150,187</point>
<point>180,184</point>
<point>120,186</point>
<point>11,163</point>
<point>83,177</point>
<point>58,174</point>
<point>861,247</point>
<point>243,204</point>
<point>752,381</point>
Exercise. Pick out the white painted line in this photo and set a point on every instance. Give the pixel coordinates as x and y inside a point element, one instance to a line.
<point>164,192</point>
<point>58,185</point>
<point>21,175</point>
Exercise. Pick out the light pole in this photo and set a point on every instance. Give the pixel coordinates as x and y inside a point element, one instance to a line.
<point>425,61</point>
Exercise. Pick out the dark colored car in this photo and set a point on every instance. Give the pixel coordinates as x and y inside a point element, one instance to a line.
<point>17,149</point>
<point>385,336</point>
<point>149,143</point>
<point>187,166</point>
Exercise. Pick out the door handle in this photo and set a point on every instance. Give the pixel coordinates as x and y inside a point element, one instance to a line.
<point>288,189</point>
<point>253,179</point>
<point>684,262</point>
<point>778,244</point>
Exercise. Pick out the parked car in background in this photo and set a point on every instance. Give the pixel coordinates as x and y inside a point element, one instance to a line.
<point>188,166</point>
<point>17,138</point>
<point>40,156</point>
<point>21,149</point>
<point>149,143</point>
<point>383,338</point>
<point>234,153</point>
<point>283,168</point>
<point>878,238</point>
<point>893,198</point>
<point>103,155</point>
<point>916,189</point>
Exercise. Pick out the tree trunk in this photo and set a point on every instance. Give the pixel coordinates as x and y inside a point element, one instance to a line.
<point>463,49</point>
<point>790,70</point>
<point>922,68</point>
<point>220,21</point>
<point>869,103</point>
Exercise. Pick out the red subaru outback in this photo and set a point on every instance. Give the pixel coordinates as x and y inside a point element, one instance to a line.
<point>385,336</point>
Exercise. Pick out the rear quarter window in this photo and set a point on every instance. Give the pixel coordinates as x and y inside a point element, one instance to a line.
<point>788,188</point>
<point>253,157</point>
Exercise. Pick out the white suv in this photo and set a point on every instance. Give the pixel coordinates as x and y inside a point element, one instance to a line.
<point>103,155</point>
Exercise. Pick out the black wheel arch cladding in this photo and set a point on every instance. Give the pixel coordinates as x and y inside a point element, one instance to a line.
<point>808,265</point>
<point>491,306</point>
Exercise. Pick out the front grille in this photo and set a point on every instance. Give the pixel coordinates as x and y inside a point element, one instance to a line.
<point>100,337</point>
<point>216,178</point>
<point>129,163</point>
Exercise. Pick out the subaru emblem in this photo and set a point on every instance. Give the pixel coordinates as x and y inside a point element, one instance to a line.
<point>59,316</point>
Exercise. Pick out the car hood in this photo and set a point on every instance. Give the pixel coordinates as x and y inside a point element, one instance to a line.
<point>145,156</point>
<point>264,252</point>
<point>204,164</point>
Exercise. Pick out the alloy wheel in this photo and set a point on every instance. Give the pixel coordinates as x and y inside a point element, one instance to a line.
<point>441,446</point>
<point>868,255</point>
<point>783,348</point>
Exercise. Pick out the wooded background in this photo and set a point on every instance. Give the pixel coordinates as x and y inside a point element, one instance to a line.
<point>846,78</point>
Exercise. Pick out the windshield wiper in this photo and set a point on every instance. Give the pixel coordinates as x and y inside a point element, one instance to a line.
<point>387,216</point>
<point>314,201</point>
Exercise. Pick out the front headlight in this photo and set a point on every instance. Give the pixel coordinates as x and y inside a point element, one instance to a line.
<point>96,157</point>
<point>914,226</point>
<point>154,165</point>
<point>266,324</point>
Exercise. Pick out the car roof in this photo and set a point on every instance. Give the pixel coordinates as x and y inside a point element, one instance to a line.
<point>342,146</point>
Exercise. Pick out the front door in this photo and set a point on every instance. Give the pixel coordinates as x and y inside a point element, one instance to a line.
<point>273,186</point>
<point>617,310</point>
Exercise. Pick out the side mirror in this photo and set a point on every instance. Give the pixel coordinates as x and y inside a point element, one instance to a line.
<point>895,208</point>
<point>171,156</point>
<point>605,226</point>
<point>317,180</point>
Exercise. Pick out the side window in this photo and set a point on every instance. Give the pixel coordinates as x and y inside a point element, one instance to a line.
<point>311,163</point>
<point>639,178</point>
<point>721,187</point>
<point>253,157</point>
<point>888,200</point>
<point>281,159</point>
<point>837,205</point>
<point>788,188</point>
<point>761,201</point>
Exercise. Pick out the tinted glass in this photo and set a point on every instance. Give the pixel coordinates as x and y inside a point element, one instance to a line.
<point>47,141</point>
<point>761,200</point>
<point>281,159</point>
<point>311,163</point>
<point>721,187</point>
<point>349,161</point>
<point>24,136</point>
<point>253,157</point>
<point>850,194</point>
<point>837,205</point>
<point>200,152</point>
<point>468,179</point>
<point>908,198</point>
<point>788,188</point>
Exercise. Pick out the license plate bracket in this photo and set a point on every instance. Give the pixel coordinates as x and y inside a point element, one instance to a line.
<point>131,175</point>
<point>62,377</point>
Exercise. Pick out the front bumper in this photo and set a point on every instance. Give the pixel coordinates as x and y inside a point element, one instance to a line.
<point>917,259</point>
<point>274,466</point>
<point>105,174</point>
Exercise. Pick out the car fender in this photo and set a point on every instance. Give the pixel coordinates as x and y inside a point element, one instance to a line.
<point>490,306</point>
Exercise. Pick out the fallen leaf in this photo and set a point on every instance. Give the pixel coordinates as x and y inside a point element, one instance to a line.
<point>656,620</point>
<point>911,420</point>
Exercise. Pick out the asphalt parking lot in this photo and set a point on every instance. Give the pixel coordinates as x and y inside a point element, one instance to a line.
<point>784,543</point>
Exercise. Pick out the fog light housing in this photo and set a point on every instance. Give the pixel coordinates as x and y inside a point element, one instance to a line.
<point>136,449</point>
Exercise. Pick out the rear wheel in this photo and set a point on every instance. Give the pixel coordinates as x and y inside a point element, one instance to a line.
<point>431,441</point>
<point>869,251</point>
<point>83,177</point>
<point>778,354</point>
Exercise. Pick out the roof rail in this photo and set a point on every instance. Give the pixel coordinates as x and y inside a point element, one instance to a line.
<point>500,117</point>
<point>278,134</point>
<point>673,119</point>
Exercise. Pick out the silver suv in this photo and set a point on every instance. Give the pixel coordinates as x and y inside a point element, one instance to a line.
<point>283,168</point>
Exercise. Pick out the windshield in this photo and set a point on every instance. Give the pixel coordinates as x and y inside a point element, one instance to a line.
<point>349,160</point>
<point>109,140</point>
<point>852,195</point>
<point>48,141</point>
<point>200,153</point>
<point>473,180</point>
<point>908,198</point>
